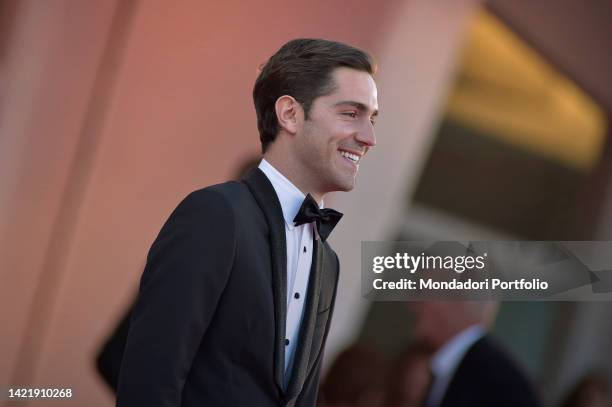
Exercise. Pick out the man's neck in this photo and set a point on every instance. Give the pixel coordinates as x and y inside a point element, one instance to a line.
<point>292,175</point>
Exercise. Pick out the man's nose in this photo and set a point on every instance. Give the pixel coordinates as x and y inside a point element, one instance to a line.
<point>366,136</point>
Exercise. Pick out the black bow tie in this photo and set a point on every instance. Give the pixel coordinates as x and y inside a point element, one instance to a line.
<point>326,219</point>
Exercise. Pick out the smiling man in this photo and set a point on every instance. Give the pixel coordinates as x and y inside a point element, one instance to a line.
<point>236,299</point>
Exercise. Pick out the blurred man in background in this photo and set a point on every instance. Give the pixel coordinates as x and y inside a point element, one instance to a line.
<point>468,368</point>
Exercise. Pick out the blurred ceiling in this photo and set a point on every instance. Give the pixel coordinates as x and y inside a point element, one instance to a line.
<point>507,90</point>
<point>575,36</point>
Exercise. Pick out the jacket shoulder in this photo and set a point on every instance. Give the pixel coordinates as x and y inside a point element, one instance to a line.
<point>229,189</point>
<point>223,194</point>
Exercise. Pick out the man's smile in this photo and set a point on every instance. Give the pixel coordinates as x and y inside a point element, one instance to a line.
<point>351,157</point>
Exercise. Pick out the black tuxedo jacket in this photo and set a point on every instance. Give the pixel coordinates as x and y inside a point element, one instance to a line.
<point>487,376</point>
<point>208,327</point>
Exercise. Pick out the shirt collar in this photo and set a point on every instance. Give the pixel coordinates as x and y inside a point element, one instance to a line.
<point>289,195</point>
<point>446,359</point>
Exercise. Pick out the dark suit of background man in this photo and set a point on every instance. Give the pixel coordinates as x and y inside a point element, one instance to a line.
<point>235,301</point>
<point>468,368</point>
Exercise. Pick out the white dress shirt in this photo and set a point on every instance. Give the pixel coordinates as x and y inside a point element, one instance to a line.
<point>447,358</point>
<point>299,258</point>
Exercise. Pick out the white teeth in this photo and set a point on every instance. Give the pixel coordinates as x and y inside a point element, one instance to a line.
<point>353,157</point>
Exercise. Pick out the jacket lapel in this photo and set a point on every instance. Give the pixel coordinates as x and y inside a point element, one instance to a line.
<point>266,198</point>
<point>302,367</point>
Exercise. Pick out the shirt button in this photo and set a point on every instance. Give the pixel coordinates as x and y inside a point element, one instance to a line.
<point>296,295</point>
<point>304,249</point>
<point>286,342</point>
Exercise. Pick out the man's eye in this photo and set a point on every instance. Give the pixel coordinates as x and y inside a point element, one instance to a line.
<point>350,114</point>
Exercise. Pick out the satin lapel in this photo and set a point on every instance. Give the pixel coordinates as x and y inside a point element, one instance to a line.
<point>266,198</point>
<point>302,356</point>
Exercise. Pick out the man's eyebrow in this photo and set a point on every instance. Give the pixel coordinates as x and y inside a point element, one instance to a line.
<point>360,106</point>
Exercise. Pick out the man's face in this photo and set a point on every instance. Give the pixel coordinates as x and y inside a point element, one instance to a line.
<point>432,320</point>
<point>339,132</point>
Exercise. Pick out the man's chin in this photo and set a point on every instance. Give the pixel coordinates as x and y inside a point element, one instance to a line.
<point>341,185</point>
<point>348,184</point>
<point>346,187</point>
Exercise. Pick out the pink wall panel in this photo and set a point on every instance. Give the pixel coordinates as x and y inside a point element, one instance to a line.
<point>173,114</point>
<point>51,61</point>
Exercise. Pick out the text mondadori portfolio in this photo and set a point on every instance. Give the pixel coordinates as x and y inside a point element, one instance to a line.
<point>403,262</point>
<point>454,284</point>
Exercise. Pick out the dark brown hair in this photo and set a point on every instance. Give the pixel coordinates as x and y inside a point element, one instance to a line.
<point>301,68</point>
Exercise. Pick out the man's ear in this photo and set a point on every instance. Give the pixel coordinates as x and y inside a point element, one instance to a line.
<point>288,113</point>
